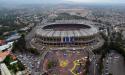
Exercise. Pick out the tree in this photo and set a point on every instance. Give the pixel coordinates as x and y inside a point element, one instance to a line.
<point>110,74</point>
<point>20,44</point>
<point>33,51</point>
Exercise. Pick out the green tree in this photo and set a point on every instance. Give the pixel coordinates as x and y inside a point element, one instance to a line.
<point>20,44</point>
<point>110,74</point>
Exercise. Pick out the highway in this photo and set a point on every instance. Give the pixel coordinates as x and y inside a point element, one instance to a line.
<point>93,68</point>
<point>114,64</point>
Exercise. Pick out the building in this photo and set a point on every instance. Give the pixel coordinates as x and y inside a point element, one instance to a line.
<point>7,46</point>
<point>5,50</point>
<point>4,69</point>
<point>67,43</point>
<point>13,37</point>
<point>2,42</point>
<point>66,34</point>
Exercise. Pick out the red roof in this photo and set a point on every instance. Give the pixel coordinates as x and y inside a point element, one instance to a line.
<point>4,54</point>
<point>2,42</point>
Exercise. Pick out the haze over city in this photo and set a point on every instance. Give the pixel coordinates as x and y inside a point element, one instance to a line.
<point>62,1</point>
<point>62,37</point>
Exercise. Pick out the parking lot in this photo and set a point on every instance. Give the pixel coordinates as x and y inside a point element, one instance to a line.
<point>114,64</point>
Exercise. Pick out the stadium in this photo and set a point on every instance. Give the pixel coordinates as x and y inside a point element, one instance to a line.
<point>66,46</point>
<point>62,34</point>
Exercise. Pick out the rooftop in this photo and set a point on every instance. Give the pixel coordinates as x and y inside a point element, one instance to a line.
<point>71,28</point>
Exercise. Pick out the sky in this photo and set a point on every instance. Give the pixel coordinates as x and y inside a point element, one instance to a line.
<point>97,1</point>
<point>61,1</point>
<point>90,1</point>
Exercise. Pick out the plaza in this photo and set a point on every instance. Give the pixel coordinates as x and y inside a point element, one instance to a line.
<point>65,62</point>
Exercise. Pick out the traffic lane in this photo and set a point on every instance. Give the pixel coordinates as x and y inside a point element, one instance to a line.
<point>118,67</point>
<point>114,63</point>
<point>93,68</point>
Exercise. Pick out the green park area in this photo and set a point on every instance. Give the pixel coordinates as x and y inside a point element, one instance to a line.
<point>15,67</point>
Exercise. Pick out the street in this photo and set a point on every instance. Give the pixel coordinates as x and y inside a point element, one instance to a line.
<point>114,64</point>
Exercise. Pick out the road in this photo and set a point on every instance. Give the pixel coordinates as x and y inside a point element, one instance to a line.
<point>93,68</point>
<point>114,64</point>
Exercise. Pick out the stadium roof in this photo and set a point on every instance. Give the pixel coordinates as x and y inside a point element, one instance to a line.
<point>69,32</point>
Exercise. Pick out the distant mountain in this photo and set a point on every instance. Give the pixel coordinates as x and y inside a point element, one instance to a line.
<point>17,3</point>
<point>31,1</point>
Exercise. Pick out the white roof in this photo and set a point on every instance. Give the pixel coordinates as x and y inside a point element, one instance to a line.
<point>62,33</point>
<point>4,69</point>
<point>13,37</point>
<point>8,45</point>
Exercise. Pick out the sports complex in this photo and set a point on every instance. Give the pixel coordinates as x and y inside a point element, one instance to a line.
<point>66,45</point>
